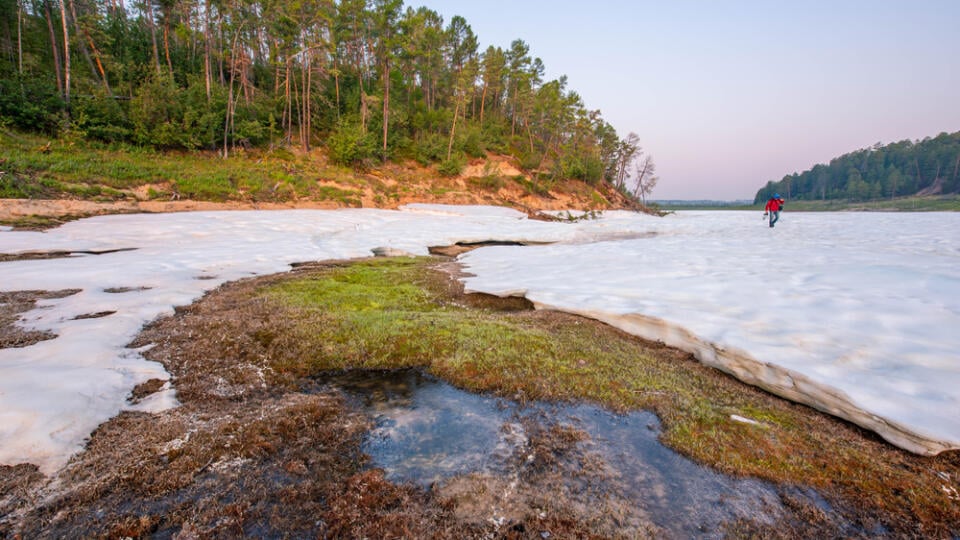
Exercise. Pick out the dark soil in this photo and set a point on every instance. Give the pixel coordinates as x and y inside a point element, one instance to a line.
<point>12,304</point>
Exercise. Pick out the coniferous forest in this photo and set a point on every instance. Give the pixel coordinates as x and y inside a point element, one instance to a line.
<point>368,80</point>
<point>927,167</point>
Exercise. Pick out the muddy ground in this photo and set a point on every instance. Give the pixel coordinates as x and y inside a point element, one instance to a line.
<point>250,453</point>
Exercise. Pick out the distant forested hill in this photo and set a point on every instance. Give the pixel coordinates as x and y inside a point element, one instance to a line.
<point>927,167</point>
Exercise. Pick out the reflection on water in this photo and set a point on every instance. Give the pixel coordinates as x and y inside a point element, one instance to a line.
<point>426,431</point>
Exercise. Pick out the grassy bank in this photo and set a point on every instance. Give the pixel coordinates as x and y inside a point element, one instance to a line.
<point>34,167</point>
<point>37,167</point>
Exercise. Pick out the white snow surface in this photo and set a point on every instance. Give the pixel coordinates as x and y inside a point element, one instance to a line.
<point>861,308</point>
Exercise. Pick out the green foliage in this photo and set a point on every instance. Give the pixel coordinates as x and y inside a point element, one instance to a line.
<point>14,186</point>
<point>473,143</point>
<point>534,188</point>
<point>344,196</point>
<point>453,166</point>
<point>586,216</point>
<point>488,182</point>
<point>30,104</point>
<point>101,118</point>
<point>211,188</point>
<point>158,115</point>
<point>204,118</point>
<point>529,161</point>
<point>431,148</point>
<point>349,145</point>
<point>447,94</point>
<point>587,168</point>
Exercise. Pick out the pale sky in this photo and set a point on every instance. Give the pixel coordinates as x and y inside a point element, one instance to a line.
<point>726,95</point>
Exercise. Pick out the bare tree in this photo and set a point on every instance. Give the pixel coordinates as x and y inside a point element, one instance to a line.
<point>645,180</point>
<point>627,152</point>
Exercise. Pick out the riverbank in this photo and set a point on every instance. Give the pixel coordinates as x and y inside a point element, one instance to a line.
<point>44,183</point>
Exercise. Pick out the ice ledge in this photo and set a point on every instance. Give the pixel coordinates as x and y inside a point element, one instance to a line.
<point>775,379</point>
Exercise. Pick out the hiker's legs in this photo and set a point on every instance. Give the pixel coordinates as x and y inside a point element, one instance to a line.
<point>774,216</point>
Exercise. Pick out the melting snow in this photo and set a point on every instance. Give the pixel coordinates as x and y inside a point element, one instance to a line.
<point>860,308</point>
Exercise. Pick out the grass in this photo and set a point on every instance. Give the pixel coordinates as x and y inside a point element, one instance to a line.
<point>532,187</point>
<point>489,182</point>
<point>35,167</point>
<point>396,313</point>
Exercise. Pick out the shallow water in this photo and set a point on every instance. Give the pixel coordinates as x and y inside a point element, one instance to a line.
<point>427,431</point>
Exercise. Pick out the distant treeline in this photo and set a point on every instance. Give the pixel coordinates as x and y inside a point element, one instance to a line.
<point>367,79</point>
<point>927,167</point>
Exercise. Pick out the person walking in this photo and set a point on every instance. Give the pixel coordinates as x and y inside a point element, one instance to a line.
<point>773,208</point>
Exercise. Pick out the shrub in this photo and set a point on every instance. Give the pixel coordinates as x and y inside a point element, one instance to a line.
<point>581,167</point>
<point>431,148</point>
<point>102,118</point>
<point>451,167</point>
<point>349,145</point>
<point>30,104</point>
<point>473,143</point>
<point>489,182</point>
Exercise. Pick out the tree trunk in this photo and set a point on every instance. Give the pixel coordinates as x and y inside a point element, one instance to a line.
<point>288,104</point>
<point>526,123</point>
<point>473,101</point>
<point>483,99</point>
<point>386,106</point>
<point>207,71</point>
<point>229,115</point>
<point>543,158</point>
<point>308,117</point>
<point>96,57</point>
<point>95,64</point>
<point>83,44</point>
<point>54,46</point>
<point>453,128</point>
<point>296,99</point>
<point>336,83</point>
<point>166,44</point>
<point>228,122</point>
<point>66,56</point>
<point>245,78</point>
<point>19,38</point>
<point>275,60</point>
<point>148,4</point>
<point>363,111</point>
<point>305,105</point>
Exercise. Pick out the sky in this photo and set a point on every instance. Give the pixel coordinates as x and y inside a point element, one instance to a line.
<point>727,95</point>
<point>862,324</point>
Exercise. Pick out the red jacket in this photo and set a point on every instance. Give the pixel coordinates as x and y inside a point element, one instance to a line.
<point>773,205</point>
